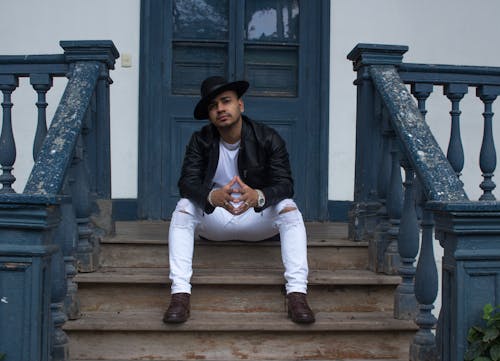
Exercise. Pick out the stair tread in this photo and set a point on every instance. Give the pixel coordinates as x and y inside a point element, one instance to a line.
<point>236,276</point>
<point>238,321</point>
<point>156,232</point>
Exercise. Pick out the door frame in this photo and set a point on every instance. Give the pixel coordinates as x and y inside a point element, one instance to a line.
<point>153,26</point>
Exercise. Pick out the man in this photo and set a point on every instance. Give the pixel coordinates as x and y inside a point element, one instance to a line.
<point>235,184</point>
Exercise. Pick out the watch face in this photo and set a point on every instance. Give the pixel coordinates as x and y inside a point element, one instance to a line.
<point>260,201</point>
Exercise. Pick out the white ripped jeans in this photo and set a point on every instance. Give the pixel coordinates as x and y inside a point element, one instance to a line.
<point>188,220</point>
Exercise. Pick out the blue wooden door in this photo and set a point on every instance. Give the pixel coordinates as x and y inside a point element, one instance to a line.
<point>275,45</point>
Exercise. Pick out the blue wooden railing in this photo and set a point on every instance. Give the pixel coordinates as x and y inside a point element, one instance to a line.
<point>392,136</point>
<point>46,232</point>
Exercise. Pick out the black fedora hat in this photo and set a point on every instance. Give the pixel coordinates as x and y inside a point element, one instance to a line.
<point>213,86</point>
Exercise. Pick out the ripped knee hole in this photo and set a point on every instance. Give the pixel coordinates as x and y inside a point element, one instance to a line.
<point>287,209</point>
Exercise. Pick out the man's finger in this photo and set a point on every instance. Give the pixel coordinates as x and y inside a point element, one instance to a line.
<point>240,182</point>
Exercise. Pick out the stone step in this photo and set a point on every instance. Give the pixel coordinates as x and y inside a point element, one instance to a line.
<point>234,290</point>
<point>230,336</point>
<point>145,244</point>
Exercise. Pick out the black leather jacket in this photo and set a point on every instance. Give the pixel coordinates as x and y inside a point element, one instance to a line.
<point>262,164</point>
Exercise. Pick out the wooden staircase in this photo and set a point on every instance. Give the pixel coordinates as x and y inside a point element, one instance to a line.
<point>237,304</point>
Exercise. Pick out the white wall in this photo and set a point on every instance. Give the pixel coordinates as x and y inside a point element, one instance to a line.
<point>36,27</point>
<point>446,31</point>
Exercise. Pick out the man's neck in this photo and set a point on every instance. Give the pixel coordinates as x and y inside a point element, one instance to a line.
<point>231,134</point>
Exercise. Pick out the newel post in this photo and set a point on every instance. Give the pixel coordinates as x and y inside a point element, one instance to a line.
<point>26,252</point>
<point>469,234</point>
<point>371,143</point>
<point>91,182</point>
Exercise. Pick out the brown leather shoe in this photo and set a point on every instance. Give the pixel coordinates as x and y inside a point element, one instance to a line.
<point>178,311</point>
<point>298,309</point>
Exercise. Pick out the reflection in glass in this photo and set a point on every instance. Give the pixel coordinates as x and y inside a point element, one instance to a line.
<point>272,20</point>
<point>201,19</point>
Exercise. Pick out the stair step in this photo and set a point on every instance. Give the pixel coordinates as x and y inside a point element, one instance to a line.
<point>190,359</point>
<point>234,298</point>
<point>230,336</point>
<point>250,276</point>
<point>238,321</point>
<point>231,346</point>
<point>156,232</point>
<point>325,255</point>
<point>145,244</point>
<point>238,290</point>
<point>237,305</point>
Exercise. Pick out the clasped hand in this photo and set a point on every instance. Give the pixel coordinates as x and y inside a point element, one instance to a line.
<point>225,197</point>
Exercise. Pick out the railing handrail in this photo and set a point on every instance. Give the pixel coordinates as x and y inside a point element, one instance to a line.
<point>47,175</point>
<point>442,74</point>
<point>26,65</point>
<point>435,172</point>
<point>392,134</point>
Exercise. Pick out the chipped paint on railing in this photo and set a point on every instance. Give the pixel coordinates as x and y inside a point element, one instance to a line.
<point>55,155</point>
<point>420,147</point>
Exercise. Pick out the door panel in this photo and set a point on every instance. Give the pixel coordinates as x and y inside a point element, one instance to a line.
<point>183,127</point>
<point>264,42</point>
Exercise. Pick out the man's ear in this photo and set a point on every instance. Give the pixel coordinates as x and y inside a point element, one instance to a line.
<point>242,105</point>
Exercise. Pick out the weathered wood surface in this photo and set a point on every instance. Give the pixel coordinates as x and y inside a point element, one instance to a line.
<point>105,297</point>
<point>238,303</point>
<point>254,345</point>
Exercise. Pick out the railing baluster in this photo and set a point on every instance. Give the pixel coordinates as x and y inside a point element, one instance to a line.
<point>421,91</point>
<point>405,304</point>
<point>59,351</point>
<point>87,259</point>
<point>380,243</point>
<point>8,83</point>
<point>488,156</point>
<point>41,83</point>
<point>394,207</point>
<point>423,346</point>
<point>455,153</point>
<point>69,232</point>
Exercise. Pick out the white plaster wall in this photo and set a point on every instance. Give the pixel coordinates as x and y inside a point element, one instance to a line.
<point>36,27</point>
<point>446,31</point>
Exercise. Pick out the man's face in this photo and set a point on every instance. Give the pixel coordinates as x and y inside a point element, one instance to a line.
<point>225,109</point>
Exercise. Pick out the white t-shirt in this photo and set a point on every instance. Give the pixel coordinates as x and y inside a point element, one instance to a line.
<point>227,167</point>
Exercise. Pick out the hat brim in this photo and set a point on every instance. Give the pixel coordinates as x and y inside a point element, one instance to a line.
<point>201,109</point>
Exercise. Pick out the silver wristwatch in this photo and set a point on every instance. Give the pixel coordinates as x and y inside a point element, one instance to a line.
<point>261,200</point>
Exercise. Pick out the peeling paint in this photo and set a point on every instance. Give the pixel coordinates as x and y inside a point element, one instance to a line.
<point>419,145</point>
<point>55,155</point>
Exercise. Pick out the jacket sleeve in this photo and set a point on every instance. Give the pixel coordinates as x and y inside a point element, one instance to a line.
<point>192,183</point>
<point>280,185</point>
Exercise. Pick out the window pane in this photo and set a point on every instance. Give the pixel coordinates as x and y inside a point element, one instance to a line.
<point>272,20</point>
<point>271,70</point>
<point>192,63</point>
<point>201,19</point>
